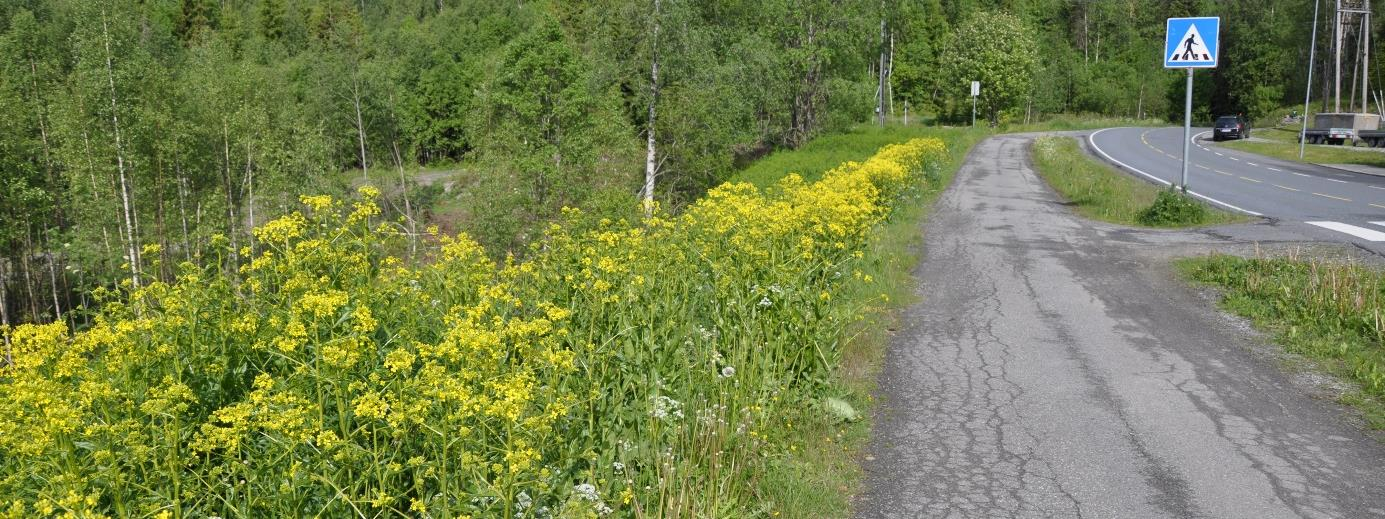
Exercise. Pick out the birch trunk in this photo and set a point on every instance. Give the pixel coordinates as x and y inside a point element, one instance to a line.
<point>52,184</point>
<point>404,193</point>
<point>650,166</point>
<point>5,311</point>
<point>53,279</point>
<point>28,275</point>
<point>250,190</point>
<point>120,162</point>
<point>183,204</point>
<point>889,76</point>
<point>231,223</point>
<point>91,175</point>
<point>880,91</point>
<point>360,122</point>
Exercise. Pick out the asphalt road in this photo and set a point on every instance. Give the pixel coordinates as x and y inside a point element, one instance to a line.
<point>1325,203</point>
<point>1056,367</point>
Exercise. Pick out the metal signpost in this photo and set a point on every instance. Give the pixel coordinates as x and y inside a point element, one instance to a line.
<point>1190,43</point>
<point>975,91</point>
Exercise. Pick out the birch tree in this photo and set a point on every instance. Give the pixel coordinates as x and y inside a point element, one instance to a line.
<point>650,164</point>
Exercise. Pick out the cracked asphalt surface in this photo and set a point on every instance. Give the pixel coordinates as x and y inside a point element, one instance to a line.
<point>1056,367</point>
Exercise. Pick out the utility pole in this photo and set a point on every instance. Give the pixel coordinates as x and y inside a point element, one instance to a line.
<point>1337,52</point>
<point>1308,91</point>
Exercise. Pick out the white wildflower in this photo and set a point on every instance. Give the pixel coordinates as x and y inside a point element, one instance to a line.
<point>665,408</point>
<point>764,301</point>
<point>587,492</point>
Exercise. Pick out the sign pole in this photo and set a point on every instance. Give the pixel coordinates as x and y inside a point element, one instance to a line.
<point>1187,126</point>
<point>1190,43</point>
<point>975,91</point>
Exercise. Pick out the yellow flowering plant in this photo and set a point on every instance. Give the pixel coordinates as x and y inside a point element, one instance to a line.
<point>626,367</point>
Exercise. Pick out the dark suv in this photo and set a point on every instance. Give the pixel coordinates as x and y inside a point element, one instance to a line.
<point>1230,127</point>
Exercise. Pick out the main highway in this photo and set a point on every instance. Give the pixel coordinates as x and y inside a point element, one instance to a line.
<point>1318,201</point>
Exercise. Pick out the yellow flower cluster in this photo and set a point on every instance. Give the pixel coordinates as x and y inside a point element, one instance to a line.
<point>325,376</point>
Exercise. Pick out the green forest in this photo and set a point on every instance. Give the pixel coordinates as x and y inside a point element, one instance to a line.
<point>139,135</point>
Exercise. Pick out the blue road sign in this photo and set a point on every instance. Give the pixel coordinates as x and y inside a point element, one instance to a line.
<point>1192,42</point>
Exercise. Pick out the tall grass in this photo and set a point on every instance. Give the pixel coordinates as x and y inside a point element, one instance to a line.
<point>1095,190</point>
<point>642,368</point>
<point>1333,312</point>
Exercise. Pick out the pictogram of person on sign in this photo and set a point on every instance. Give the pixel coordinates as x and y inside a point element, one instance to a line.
<point>1188,53</point>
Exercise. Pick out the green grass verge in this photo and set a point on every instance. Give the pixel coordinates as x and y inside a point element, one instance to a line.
<point>1282,143</point>
<point>1330,313</point>
<point>1099,192</point>
<point>826,152</point>
<point>821,471</point>
<point>1069,122</point>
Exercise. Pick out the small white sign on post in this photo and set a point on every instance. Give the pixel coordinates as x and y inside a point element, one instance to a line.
<point>975,91</point>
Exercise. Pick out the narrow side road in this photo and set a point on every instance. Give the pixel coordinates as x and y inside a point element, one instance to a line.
<point>1055,367</point>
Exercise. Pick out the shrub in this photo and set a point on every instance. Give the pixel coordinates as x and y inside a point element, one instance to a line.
<point>1171,208</point>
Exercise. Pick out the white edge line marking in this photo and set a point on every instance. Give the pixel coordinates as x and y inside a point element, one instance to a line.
<point>1193,139</point>
<point>1382,224</point>
<point>1091,140</point>
<point>1359,232</point>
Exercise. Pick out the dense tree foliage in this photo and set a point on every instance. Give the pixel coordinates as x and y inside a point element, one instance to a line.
<point>134,133</point>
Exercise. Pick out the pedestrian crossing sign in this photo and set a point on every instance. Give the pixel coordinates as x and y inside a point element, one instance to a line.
<point>1191,42</point>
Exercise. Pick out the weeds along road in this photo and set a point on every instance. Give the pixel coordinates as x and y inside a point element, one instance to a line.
<point>1056,367</point>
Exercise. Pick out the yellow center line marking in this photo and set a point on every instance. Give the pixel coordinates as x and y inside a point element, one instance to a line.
<point>1250,179</point>
<point>1333,197</point>
<point>1284,187</point>
<point>1378,205</point>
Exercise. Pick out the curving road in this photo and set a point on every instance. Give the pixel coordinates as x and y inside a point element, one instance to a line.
<point>1057,367</point>
<point>1328,203</point>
